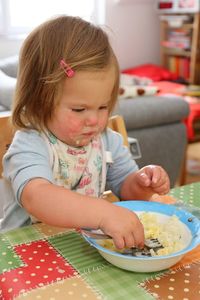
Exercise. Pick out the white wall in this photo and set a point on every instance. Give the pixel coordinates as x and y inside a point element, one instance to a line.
<point>134,29</point>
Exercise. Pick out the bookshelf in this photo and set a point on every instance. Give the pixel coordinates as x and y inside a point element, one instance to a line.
<point>180,45</point>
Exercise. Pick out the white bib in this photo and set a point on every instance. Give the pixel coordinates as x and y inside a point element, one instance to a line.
<point>82,169</point>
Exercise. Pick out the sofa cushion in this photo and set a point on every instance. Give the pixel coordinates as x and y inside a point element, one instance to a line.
<point>2,108</point>
<point>9,65</point>
<point>152,111</point>
<point>154,72</point>
<point>7,87</point>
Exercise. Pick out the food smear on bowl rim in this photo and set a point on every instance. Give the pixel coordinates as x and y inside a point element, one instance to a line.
<point>168,231</point>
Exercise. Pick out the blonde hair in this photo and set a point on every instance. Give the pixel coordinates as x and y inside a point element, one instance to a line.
<point>83,46</point>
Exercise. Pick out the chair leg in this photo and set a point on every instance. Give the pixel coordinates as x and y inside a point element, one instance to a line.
<point>183,175</point>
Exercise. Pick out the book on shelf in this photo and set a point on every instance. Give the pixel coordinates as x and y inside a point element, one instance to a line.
<point>180,66</point>
<point>186,67</point>
<point>179,44</point>
<point>178,38</point>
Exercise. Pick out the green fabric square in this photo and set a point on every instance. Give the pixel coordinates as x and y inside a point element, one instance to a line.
<point>78,252</point>
<point>8,258</point>
<point>23,235</point>
<point>118,284</point>
<point>186,193</point>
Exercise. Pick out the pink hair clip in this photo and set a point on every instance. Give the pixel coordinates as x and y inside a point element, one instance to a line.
<point>67,69</point>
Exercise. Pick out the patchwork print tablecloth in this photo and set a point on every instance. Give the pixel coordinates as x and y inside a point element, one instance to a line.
<point>42,262</point>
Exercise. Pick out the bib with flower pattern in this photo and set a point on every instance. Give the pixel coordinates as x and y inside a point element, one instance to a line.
<point>81,169</point>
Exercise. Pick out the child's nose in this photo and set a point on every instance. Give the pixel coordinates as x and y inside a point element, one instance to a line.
<point>92,119</point>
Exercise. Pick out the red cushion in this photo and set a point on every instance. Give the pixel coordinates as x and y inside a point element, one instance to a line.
<point>154,72</point>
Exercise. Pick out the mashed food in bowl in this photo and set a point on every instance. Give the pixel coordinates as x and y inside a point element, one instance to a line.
<point>168,230</point>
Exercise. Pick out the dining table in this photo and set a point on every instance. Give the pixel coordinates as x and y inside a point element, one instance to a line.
<point>51,263</point>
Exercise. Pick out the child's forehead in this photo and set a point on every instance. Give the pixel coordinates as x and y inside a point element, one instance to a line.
<point>86,86</point>
<point>95,74</point>
<point>93,78</point>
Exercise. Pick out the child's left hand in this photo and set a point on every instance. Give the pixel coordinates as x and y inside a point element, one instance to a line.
<point>155,178</point>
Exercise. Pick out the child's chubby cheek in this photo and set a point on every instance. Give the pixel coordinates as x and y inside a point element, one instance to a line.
<point>73,120</point>
<point>75,127</point>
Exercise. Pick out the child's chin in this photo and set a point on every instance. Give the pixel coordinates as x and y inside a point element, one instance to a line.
<point>82,143</point>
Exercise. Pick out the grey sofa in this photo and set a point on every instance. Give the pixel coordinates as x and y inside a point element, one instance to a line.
<point>156,122</point>
<point>8,75</point>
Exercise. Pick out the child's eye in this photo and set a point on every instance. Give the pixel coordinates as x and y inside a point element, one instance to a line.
<point>103,107</point>
<point>78,109</point>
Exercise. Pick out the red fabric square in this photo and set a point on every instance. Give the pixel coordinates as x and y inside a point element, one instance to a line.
<point>42,266</point>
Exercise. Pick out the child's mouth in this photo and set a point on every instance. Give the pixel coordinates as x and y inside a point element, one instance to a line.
<point>89,134</point>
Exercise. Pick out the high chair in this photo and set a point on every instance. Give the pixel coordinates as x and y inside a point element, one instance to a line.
<point>6,135</point>
<point>117,124</point>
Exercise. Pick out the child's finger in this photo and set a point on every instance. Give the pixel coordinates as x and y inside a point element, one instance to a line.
<point>139,236</point>
<point>130,240</point>
<point>144,179</point>
<point>162,186</point>
<point>160,178</point>
<point>119,242</point>
<point>157,175</point>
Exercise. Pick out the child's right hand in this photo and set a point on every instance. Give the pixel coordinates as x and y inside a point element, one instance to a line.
<point>123,226</point>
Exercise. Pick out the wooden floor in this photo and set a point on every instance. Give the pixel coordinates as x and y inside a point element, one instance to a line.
<point>193,163</point>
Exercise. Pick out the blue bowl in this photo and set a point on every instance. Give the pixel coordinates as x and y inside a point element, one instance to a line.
<point>154,263</point>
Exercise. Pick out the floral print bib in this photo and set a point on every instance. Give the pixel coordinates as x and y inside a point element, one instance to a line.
<point>81,169</point>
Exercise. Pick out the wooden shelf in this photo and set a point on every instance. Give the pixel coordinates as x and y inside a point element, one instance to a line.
<point>185,26</point>
<point>185,59</point>
<point>176,52</point>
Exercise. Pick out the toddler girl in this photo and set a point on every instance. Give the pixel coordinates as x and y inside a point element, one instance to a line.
<point>63,157</point>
